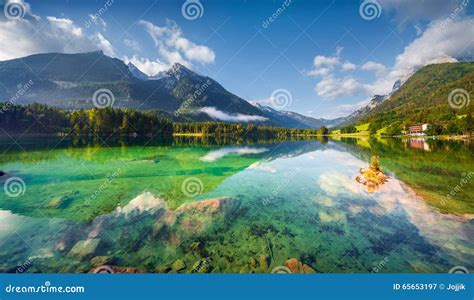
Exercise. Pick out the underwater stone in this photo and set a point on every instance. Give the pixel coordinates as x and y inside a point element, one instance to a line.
<point>179,265</point>
<point>296,266</point>
<point>263,261</point>
<point>121,270</point>
<point>56,202</point>
<point>85,248</point>
<point>162,269</point>
<point>197,247</point>
<point>252,263</point>
<point>201,266</point>
<point>157,227</point>
<point>101,260</point>
<point>2,173</point>
<point>211,206</point>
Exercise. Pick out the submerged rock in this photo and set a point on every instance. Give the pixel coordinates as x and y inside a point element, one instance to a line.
<point>252,263</point>
<point>201,266</point>
<point>178,265</point>
<point>122,270</point>
<point>296,266</point>
<point>85,248</point>
<point>194,217</point>
<point>162,269</point>
<point>198,247</point>
<point>210,206</point>
<point>2,173</point>
<point>102,260</point>
<point>264,262</point>
<point>59,202</point>
<point>63,201</point>
<point>372,177</point>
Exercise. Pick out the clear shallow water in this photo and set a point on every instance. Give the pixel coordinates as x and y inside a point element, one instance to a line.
<point>241,208</point>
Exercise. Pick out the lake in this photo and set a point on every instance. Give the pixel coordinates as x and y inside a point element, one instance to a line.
<point>205,206</point>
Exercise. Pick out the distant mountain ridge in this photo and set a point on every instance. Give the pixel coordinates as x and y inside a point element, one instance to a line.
<point>70,80</point>
<point>296,119</point>
<point>363,111</point>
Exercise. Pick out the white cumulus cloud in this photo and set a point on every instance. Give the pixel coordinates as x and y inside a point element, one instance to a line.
<point>319,72</point>
<point>332,87</point>
<point>348,66</point>
<point>321,60</point>
<point>378,68</point>
<point>33,35</point>
<point>105,45</point>
<point>440,42</point>
<point>147,66</point>
<point>173,47</point>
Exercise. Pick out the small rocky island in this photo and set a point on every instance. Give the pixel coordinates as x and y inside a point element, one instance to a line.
<point>372,177</point>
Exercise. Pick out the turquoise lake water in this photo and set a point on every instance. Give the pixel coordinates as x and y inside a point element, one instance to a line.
<point>237,208</point>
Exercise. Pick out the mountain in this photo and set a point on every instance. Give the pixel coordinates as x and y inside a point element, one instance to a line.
<point>363,111</point>
<point>425,97</point>
<point>70,80</point>
<point>406,74</point>
<point>137,73</point>
<point>296,120</point>
<point>362,114</point>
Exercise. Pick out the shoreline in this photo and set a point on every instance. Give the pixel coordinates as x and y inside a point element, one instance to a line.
<point>441,137</point>
<point>178,134</point>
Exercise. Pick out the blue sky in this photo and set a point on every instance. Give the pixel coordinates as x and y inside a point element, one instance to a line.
<point>328,56</point>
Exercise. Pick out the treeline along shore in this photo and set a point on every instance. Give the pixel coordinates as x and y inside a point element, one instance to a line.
<point>42,119</point>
